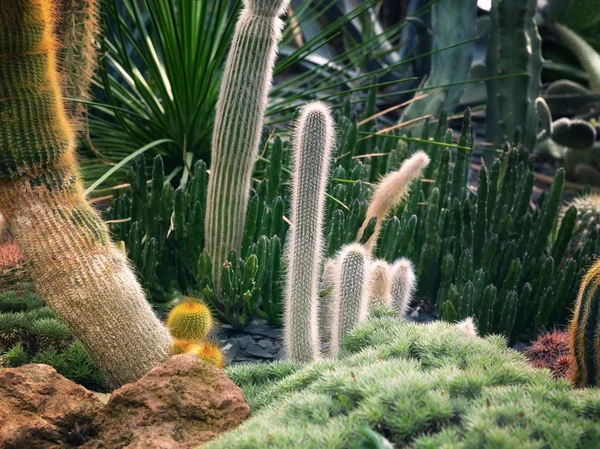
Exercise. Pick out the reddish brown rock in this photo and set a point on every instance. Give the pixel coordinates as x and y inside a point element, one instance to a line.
<point>180,404</point>
<point>41,409</point>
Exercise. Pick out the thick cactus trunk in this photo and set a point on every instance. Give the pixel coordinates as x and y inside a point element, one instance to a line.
<point>238,126</point>
<point>78,271</point>
<point>313,143</point>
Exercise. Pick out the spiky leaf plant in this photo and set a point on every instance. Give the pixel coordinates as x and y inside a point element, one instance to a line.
<point>428,386</point>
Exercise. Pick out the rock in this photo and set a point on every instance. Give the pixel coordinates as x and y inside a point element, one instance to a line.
<point>257,351</point>
<point>265,344</point>
<point>264,331</point>
<point>245,341</point>
<point>179,404</point>
<point>41,409</point>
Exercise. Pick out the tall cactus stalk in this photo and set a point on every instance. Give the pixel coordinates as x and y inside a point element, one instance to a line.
<point>404,284</point>
<point>584,330</point>
<point>238,126</point>
<point>78,271</point>
<point>313,142</point>
<point>76,32</point>
<point>390,192</point>
<point>351,300</point>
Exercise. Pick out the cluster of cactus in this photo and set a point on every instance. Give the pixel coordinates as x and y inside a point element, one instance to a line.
<point>414,386</point>
<point>574,140</point>
<point>588,219</point>
<point>189,323</point>
<point>551,350</point>
<point>351,282</point>
<point>30,332</point>
<point>163,235</point>
<point>514,49</point>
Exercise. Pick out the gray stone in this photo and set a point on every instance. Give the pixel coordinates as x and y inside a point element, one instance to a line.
<point>257,351</point>
<point>265,331</point>
<point>265,344</point>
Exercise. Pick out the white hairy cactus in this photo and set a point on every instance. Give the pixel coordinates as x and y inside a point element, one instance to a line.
<point>314,139</point>
<point>403,286</point>
<point>468,327</point>
<point>390,192</point>
<point>351,293</point>
<point>238,125</point>
<point>379,284</point>
<point>326,300</point>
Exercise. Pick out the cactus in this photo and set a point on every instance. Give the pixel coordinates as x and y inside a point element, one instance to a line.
<point>325,312</point>
<point>588,218</point>
<point>79,272</point>
<point>513,48</point>
<point>403,286</point>
<point>76,33</point>
<point>379,283</point>
<point>551,350</point>
<point>191,320</point>
<point>584,52</point>
<point>390,192</point>
<point>314,140</point>
<point>584,331</point>
<point>351,293</point>
<point>238,126</point>
<point>209,352</point>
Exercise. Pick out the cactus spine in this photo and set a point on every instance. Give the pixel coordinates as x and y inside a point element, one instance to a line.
<point>351,300</point>
<point>79,272</point>
<point>403,286</point>
<point>584,331</point>
<point>238,126</point>
<point>390,191</point>
<point>313,143</point>
<point>76,33</point>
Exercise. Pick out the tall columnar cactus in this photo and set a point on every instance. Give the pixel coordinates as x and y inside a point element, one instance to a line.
<point>514,49</point>
<point>584,330</point>
<point>238,126</point>
<point>379,283</point>
<point>351,293</point>
<point>76,33</point>
<point>313,141</point>
<point>403,286</point>
<point>79,272</point>
<point>390,191</point>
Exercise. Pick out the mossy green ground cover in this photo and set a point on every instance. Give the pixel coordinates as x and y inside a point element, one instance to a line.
<point>418,386</point>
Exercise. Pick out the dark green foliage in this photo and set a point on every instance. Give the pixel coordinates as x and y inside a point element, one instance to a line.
<point>461,238</point>
<point>163,228</point>
<point>31,333</point>
<point>419,386</point>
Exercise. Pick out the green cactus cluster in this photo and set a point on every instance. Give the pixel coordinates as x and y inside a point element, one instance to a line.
<point>163,234</point>
<point>30,332</point>
<point>410,385</point>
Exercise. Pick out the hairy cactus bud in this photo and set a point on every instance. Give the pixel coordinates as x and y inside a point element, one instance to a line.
<point>191,320</point>
<point>379,284</point>
<point>351,300</point>
<point>209,352</point>
<point>313,143</point>
<point>390,192</point>
<point>403,286</point>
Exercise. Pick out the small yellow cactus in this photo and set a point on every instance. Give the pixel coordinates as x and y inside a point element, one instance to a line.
<point>191,320</point>
<point>180,346</point>
<point>209,352</point>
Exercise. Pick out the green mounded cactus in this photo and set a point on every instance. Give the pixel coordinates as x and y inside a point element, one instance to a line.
<point>79,273</point>
<point>351,293</point>
<point>314,139</point>
<point>31,333</point>
<point>419,386</point>
<point>584,331</point>
<point>514,48</point>
<point>238,126</point>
